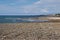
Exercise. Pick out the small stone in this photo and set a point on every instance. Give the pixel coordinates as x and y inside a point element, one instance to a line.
<point>4,36</point>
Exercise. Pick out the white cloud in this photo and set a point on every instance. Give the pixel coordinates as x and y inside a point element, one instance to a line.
<point>38,7</point>
<point>38,2</point>
<point>44,6</point>
<point>44,10</point>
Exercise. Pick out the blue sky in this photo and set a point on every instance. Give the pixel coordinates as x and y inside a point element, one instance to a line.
<point>29,7</point>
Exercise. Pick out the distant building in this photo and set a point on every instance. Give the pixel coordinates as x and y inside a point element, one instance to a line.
<point>58,15</point>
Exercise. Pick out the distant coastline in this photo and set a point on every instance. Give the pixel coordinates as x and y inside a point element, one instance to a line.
<point>27,18</point>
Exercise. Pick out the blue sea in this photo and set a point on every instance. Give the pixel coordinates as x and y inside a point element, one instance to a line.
<point>19,18</point>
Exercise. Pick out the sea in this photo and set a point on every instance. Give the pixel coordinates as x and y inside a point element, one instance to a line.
<point>20,18</point>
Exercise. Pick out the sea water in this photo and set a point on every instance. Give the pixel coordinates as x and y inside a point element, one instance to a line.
<point>18,18</point>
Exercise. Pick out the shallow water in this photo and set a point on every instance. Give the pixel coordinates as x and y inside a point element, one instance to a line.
<point>18,19</point>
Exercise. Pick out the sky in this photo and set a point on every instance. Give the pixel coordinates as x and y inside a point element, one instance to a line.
<point>29,7</point>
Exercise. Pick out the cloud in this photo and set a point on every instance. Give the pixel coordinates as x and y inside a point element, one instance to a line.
<point>44,10</point>
<point>36,7</point>
<point>44,6</point>
<point>38,2</point>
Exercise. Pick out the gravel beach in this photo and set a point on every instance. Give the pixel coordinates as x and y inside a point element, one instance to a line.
<point>30,31</point>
